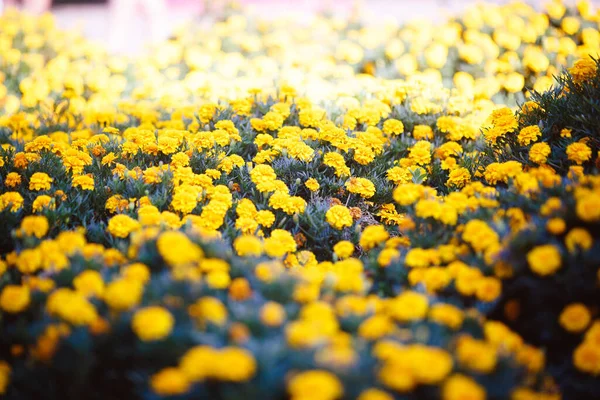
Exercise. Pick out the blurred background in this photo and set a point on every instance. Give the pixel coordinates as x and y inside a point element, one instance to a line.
<point>130,26</point>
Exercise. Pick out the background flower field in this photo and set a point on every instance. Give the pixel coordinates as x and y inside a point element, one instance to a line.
<point>268,209</point>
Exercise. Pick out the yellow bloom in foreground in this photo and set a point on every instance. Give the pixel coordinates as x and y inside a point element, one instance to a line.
<point>169,382</point>
<point>33,225</point>
<point>89,283</point>
<point>578,238</point>
<point>152,323</point>
<point>343,249</point>
<point>460,387</point>
<point>339,217</point>
<point>373,236</point>
<point>575,317</point>
<point>235,364</point>
<point>14,298</point>
<point>375,394</point>
<point>4,376</point>
<point>587,358</point>
<point>248,245</point>
<point>588,207</point>
<point>197,363</point>
<point>177,249</point>
<point>272,314</point>
<point>544,260</point>
<point>280,243</point>
<point>409,306</point>
<point>123,294</point>
<point>447,314</point>
<point>316,384</point>
<point>122,225</point>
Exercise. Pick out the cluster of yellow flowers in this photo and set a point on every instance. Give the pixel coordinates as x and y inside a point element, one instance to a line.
<point>354,230</point>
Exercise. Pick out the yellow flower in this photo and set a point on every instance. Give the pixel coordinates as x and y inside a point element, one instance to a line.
<point>43,201</point>
<point>386,256</point>
<point>586,358</point>
<point>89,283</point>
<point>409,306</point>
<point>578,238</point>
<point>85,182</point>
<point>169,382</point>
<point>123,294</point>
<point>177,249</point>
<point>460,387</point>
<point>408,193</point>
<point>280,243</point>
<point>197,363</point>
<point>33,225</point>
<point>476,355</point>
<point>514,82</point>
<point>544,260</point>
<point>235,365</point>
<point>343,249</point>
<point>209,309</point>
<point>339,217</point>
<point>13,179</point>
<point>556,226</point>
<point>393,127</point>
<point>529,134</point>
<point>479,235</point>
<point>488,289</point>
<point>373,236</point>
<point>376,327</point>
<point>575,317</point>
<point>272,314</point>
<point>539,152</point>
<point>588,207</point>
<point>152,323</point>
<point>248,245</point>
<point>14,298</point>
<point>374,394</point>
<point>317,384</point>
<point>72,307</point>
<point>5,371</point>
<point>40,181</point>
<point>579,152</point>
<point>122,225</point>
<point>583,70</point>
<point>312,184</point>
<point>361,186</point>
<point>447,314</point>
<point>458,178</point>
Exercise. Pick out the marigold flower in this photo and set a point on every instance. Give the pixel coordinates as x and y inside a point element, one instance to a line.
<point>170,382</point>
<point>459,387</point>
<point>306,384</point>
<point>575,317</point>
<point>33,225</point>
<point>14,298</point>
<point>152,323</point>
<point>339,217</point>
<point>544,260</point>
<point>40,181</point>
<point>85,182</point>
<point>122,225</point>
